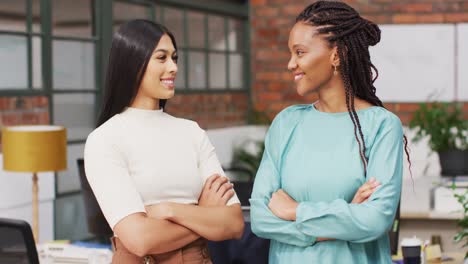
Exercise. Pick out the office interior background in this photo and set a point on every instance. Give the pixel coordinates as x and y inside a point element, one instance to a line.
<point>233,58</point>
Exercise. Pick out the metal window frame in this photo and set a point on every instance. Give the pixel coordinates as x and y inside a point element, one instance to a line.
<point>227,12</point>
<point>102,30</point>
<point>28,90</point>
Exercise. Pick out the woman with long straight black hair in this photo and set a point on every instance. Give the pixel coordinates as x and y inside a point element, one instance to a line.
<point>156,177</point>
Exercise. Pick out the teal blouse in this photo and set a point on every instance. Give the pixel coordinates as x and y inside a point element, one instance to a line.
<point>314,157</point>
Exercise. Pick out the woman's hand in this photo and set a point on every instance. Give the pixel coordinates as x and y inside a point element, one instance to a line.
<point>365,191</point>
<point>162,211</point>
<point>283,206</point>
<point>216,192</point>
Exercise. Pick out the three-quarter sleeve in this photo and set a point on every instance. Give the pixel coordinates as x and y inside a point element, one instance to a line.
<point>267,181</point>
<point>108,176</point>
<point>369,220</point>
<point>208,162</point>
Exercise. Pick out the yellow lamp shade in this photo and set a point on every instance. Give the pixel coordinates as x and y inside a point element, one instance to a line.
<point>34,148</point>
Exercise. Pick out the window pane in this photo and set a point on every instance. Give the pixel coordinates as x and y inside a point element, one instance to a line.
<point>196,30</point>
<point>37,62</point>
<point>70,218</point>
<point>236,74</point>
<point>124,12</point>
<point>236,35</point>
<point>217,38</point>
<point>13,63</point>
<point>197,70</point>
<point>13,15</point>
<point>174,21</point>
<point>71,18</point>
<point>73,65</point>
<point>76,113</point>
<point>36,15</point>
<point>69,180</point>
<point>180,79</point>
<point>217,71</point>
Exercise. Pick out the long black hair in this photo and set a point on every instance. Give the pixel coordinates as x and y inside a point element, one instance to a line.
<point>352,35</point>
<point>132,47</point>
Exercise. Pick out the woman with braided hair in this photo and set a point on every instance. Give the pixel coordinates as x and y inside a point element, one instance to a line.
<point>305,196</point>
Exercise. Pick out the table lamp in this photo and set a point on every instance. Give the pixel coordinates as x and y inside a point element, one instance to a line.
<point>35,148</point>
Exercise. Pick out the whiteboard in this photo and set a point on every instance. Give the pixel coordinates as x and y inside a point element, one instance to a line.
<point>462,47</point>
<point>415,62</point>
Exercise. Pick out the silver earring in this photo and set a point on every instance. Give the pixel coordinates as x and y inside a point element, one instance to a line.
<point>335,71</point>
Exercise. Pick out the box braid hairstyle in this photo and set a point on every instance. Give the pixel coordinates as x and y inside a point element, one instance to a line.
<point>352,35</point>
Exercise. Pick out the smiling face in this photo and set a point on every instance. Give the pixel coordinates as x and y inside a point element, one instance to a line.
<point>158,80</point>
<point>312,59</point>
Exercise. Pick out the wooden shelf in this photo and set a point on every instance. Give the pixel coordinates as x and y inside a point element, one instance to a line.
<point>431,215</point>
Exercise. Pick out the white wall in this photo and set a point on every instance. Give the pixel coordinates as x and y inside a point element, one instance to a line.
<point>16,197</point>
<point>417,61</point>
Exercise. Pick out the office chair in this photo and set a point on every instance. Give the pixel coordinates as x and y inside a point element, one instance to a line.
<point>394,232</point>
<point>17,243</point>
<point>97,224</point>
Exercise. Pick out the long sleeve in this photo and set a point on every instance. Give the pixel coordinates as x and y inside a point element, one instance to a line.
<point>108,176</point>
<point>264,223</point>
<point>369,220</point>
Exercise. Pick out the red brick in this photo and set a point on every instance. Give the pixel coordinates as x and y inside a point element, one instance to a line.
<point>272,55</point>
<point>30,118</point>
<point>277,86</point>
<point>292,96</point>
<point>368,8</point>
<point>278,22</point>
<point>270,96</point>
<point>266,11</point>
<point>383,1</point>
<point>257,2</point>
<point>420,18</point>
<point>378,19</point>
<point>408,107</point>
<point>267,32</point>
<point>11,119</point>
<point>292,10</point>
<point>267,76</point>
<point>446,7</point>
<point>405,118</point>
<point>456,17</point>
<point>280,2</point>
<point>410,8</point>
<point>263,55</point>
<point>389,106</point>
<point>5,103</point>
<point>287,76</point>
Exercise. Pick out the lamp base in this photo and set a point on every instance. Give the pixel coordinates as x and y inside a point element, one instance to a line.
<point>35,207</point>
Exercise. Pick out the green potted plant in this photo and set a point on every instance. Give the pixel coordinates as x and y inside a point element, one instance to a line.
<point>246,159</point>
<point>447,130</point>
<point>462,236</point>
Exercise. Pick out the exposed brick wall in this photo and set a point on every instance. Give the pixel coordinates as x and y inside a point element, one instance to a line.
<point>272,85</point>
<point>211,110</point>
<point>271,20</point>
<point>24,110</point>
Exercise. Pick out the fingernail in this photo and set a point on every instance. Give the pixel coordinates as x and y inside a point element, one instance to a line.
<point>375,184</point>
<point>377,187</point>
<point>372,179</point>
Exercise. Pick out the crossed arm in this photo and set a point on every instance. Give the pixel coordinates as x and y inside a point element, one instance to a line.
<point>180,224</point>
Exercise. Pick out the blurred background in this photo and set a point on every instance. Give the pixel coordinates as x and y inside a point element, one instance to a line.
<point>233,58</point>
